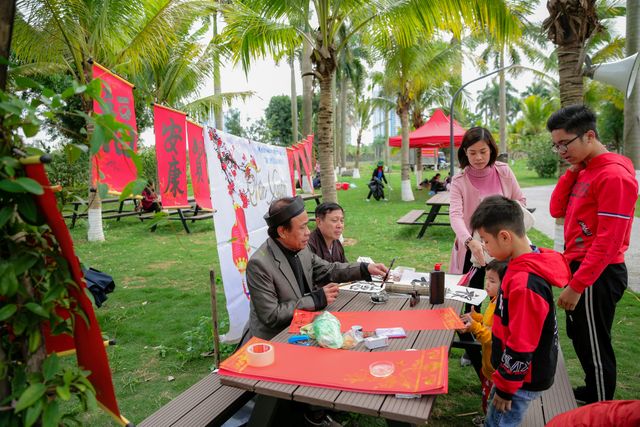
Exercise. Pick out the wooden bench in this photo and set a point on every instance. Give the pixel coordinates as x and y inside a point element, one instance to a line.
<point>412,218</point>
<point>206,403</point>
<point>112,213</point>
<point>556,400</point>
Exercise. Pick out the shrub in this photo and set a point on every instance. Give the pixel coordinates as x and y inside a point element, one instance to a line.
<point>540,157</point>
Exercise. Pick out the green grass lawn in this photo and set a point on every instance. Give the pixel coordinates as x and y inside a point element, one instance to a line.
<point>163,293</point>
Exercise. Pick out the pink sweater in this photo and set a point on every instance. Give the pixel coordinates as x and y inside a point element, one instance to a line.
<point>465,198</point>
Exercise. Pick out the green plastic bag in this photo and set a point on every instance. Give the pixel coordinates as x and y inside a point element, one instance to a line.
<point>326,328</point>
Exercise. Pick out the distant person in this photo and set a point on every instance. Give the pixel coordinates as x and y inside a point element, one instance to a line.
<point>149,202</point>
<point>597,197</point>
<point>480,324</point>
<point>481,176</point>
<point>376,188</point>
<point>437,184</point>
<point>524,350</point>
<point>325,239</point>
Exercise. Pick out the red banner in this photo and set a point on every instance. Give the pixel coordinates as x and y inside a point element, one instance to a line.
<point>410,320</point>
<point>302,153</point>
<point>292,168</point>
<point>87,338</point>
<point>111,165</point>
<point>198,166</point>
<point>414,372</point>
<point>171,153</point>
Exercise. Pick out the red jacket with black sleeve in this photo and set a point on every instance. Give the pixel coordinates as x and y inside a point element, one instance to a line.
<point>525,331</point>
<point>598,204</point>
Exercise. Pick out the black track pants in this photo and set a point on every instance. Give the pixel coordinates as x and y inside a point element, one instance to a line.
<point>589,327</point>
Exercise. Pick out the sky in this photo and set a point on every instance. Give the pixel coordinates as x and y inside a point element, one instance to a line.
<point>267,79</point>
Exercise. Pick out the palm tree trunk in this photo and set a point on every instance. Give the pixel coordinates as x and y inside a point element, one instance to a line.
<point>325,140</point>
<point>217,86</point>
<point>385,149</point>
<point>294,101</point>
<point>405,181</point>
<point>357,159</point>
<point>307,90</point>
<point>95,232</point>
<point>571,84</point>
<point>503,108</point>
<point>632,104</point>
<point>343,122</point>
<point>336,119</point>
<point>7,13</point>
<point>418,166</point>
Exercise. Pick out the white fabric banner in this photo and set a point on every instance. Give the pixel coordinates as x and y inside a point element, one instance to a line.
<point>245,177</point>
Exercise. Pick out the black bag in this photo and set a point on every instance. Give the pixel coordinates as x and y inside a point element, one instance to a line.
<point>100,284</point>
<point>376,187</point>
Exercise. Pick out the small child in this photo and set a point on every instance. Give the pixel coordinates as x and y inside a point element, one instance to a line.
<point>480,325</point>
<point>524,338</point>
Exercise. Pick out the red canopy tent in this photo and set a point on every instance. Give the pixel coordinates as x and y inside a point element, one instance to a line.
<point>433,134</point>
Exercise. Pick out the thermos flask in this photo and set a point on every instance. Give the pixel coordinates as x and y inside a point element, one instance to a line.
<point>436,286</point>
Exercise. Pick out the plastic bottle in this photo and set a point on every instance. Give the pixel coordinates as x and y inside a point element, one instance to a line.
<point>436,286</point>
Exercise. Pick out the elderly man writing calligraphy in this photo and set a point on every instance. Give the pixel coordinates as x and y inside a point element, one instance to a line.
<point>283,274</point>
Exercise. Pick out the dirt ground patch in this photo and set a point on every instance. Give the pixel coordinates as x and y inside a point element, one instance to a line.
<point>163,265</point>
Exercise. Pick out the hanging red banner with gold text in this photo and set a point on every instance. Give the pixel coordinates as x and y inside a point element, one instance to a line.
<point>112,165</point>
<point>87,338</point>
<point>198,166</point>
<point>171,154</point>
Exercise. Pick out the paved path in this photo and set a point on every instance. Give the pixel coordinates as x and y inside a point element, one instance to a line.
<point>538,197</point>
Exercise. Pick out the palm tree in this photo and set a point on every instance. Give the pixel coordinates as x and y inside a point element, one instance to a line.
<point>260,27</point>
<point>632,105</point>
<point>511,52</point>
<point>569,26</point>
<point>122,35</point>
<point>409,72</point>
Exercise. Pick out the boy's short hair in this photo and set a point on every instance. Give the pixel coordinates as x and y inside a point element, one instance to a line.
<point>500,267</point>
<point>497,213</point>
<point>327,207</point>
<point>578,119</point>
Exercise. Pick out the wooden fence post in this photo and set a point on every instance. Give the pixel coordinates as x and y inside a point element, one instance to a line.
<point>214,319</point>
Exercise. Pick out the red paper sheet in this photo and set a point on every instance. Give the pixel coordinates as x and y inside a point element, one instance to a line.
<point>410,320</point>
<point>416,372</point>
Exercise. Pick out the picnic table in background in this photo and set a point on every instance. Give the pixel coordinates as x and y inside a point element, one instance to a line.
<point>306,198</point>
<point>434,203</point>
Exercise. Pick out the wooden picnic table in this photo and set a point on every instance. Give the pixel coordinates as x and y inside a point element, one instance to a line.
<point>434,203</point>
<point>398,411</point>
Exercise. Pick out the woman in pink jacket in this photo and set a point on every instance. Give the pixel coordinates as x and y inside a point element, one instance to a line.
<point>481,176</point>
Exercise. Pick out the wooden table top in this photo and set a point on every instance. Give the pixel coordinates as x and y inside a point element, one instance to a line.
<point>441,198</point>
<point>414,411</point>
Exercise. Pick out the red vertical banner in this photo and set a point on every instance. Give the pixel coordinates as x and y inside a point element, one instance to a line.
<point>87,338</point>
<point>292,168</point>
<point>302,153</point>
<point>170,127</point>
<point>198,166</point>
<point>112,165</point>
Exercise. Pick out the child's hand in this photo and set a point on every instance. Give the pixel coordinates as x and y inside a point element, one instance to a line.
<point>502,405</point>
<point>466,318</point>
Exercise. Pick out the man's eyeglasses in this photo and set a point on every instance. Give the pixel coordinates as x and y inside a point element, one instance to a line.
<point>562,148</point>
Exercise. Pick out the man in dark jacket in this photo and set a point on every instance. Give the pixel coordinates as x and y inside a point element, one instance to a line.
<point>283,274</point>
<point>325,239</point>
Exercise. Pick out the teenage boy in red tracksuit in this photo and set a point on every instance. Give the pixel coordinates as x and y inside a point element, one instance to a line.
<point>597,197</point>
<point>524,348</point>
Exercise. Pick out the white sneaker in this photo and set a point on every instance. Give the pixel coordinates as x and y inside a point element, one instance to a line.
<point>386,200</point>
<point>464,361</point>
<point>367,200</point>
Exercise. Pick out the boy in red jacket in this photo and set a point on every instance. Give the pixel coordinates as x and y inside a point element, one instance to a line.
<point>597,197</point>
<point>525,332</point>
